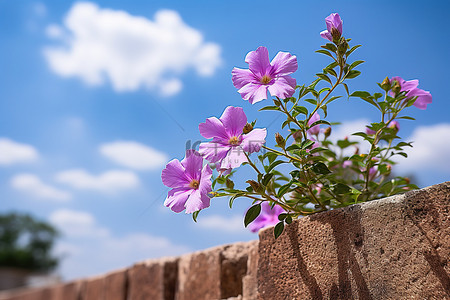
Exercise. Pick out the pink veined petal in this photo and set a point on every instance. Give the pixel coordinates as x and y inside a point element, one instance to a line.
<point>423,98</point>
<point>241,77</point>
<point>315,129</point>
<point>214,152</point>
<point>234,158</point>
<point>234,120</point>
<point>258,61</point>
<point>283,87</point>
<point>337,22</point>
<point>409,85</point>
<point>326,35</point>
<point>205,181</point>
<point>197,201</point>
<point>254,92</point>
<point>213,127</point>
<point>174,175</point>
<point>176,199</point>
<point>193,163</point>
<point>284,64</point>
<point>253,141</point>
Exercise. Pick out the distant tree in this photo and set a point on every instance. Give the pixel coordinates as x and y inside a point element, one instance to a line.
<point>26,243</point>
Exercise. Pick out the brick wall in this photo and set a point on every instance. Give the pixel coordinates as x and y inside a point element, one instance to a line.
<point>393,248</point>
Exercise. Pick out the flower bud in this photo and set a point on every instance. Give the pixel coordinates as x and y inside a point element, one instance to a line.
<point>408,181</point>
<point>336,34</point>
<point>394,125</point>
<point>229,183</point>
<point>396,88</point>
<point>297,135</point>
<point>280,140</point>
<point>386,84</point>
<point>255,186</point>
<point>247,128</point>
<point>342,48</point>
<point>277,102</point>
<point>327,132</point>
<point>389,169</point>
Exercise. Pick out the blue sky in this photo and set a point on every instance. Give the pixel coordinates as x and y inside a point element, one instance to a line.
<point>95,98</point>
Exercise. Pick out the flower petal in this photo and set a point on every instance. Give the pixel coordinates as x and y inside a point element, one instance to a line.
<point>174,175</point>
<point>213,127</point>
<point>235,157</point>
<point>253,92</point>
<point>315,129</point>
<point>176,199</point>
<point>241,77</point>
<point>214,152</point>
<point>284,64</point>
<point>284,87</point>
<point>234,120</point>
<point>252,141</point>
<point>192,163</point>
<point>258,61</point>
<point>326,35</point>
<point>197,201</point>
<point>423,98</point>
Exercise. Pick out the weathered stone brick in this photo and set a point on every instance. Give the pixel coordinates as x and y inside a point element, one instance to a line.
<point>93,289</point>
<point>250,280</point>
<point>153,279</point>
<point>67,291</point>
<point>393,248</point>
<point>116,285</point>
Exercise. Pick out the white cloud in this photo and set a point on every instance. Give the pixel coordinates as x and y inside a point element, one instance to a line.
<point>94,249</point>
<point>108,182</point>
<point>234,224</point>
<point>129,51</point>
<point>134,155</point>
<point>33,186</point>
<point>12,152</point>
<point>346,129</point>
<point>430,151</point>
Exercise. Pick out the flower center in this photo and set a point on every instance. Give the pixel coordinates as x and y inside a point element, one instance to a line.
<point>234,141</point>
<point>194,184</point>
<point>265,79</point>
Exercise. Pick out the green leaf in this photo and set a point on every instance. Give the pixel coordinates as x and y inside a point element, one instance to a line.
<point>283,190</point>
<point>356,63</point>
<point>301,109</point>
<point>352,74</point>
<point>406,118</point>
<point>325,52</point>
<point>320,122</point>
<point>341,188</point>
<point>330,47</point>
<point>278,230</point>
<point>361,94</point>
<point>332,99</point>
<point>267,178</point>
<point>346,89</point>
<point>252,214</point>
<point>312,101</point>
<point>352,49</point>
<point>320,168</point>
<point>273,107</point>
<point>274,164</point>
<point>324,77</point>
<point>306,144</point>
<point>195,215</point>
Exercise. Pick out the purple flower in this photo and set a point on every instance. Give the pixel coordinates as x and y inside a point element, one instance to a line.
<point>229,143</point>
<point>263,76</point>
<point>370,131</point>
<point>190,183</point>
<point>411,89</point>
<point>315,130</point>
<point>334,27</point>
<point>267,217</point>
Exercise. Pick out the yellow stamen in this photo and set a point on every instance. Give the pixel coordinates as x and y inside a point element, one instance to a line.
<point>234,141</point>
<point>265,79</point>
<point>194,184</point>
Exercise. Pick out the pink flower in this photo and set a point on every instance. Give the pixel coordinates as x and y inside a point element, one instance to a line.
<point>263,76</point>
<point>395,125</point>
<point>267,217</point>
<point>334,27</point>
<point>412,90</point>
<point>370,131</point>
<point>315,130</point>
<point>229,143</point>
<point>190,183</point>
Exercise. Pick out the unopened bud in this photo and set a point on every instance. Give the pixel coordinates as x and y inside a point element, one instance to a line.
<point>336,34</point>
<point>280,140</point>
<point>396,88</point>
<point>394,125</point>
<point>356,151</point>
<point>229,183</point>
<point>247,128</point>
<point>389,169</point>
<point>342,48</point>
<point>255,186</point>
<point>408,181</point>
<point>386,84</point>
<point>277,102</point>
<point>327,132</point>
<point>297,135</point>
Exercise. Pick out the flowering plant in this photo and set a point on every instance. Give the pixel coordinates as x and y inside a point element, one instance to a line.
<point>318,173</point>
